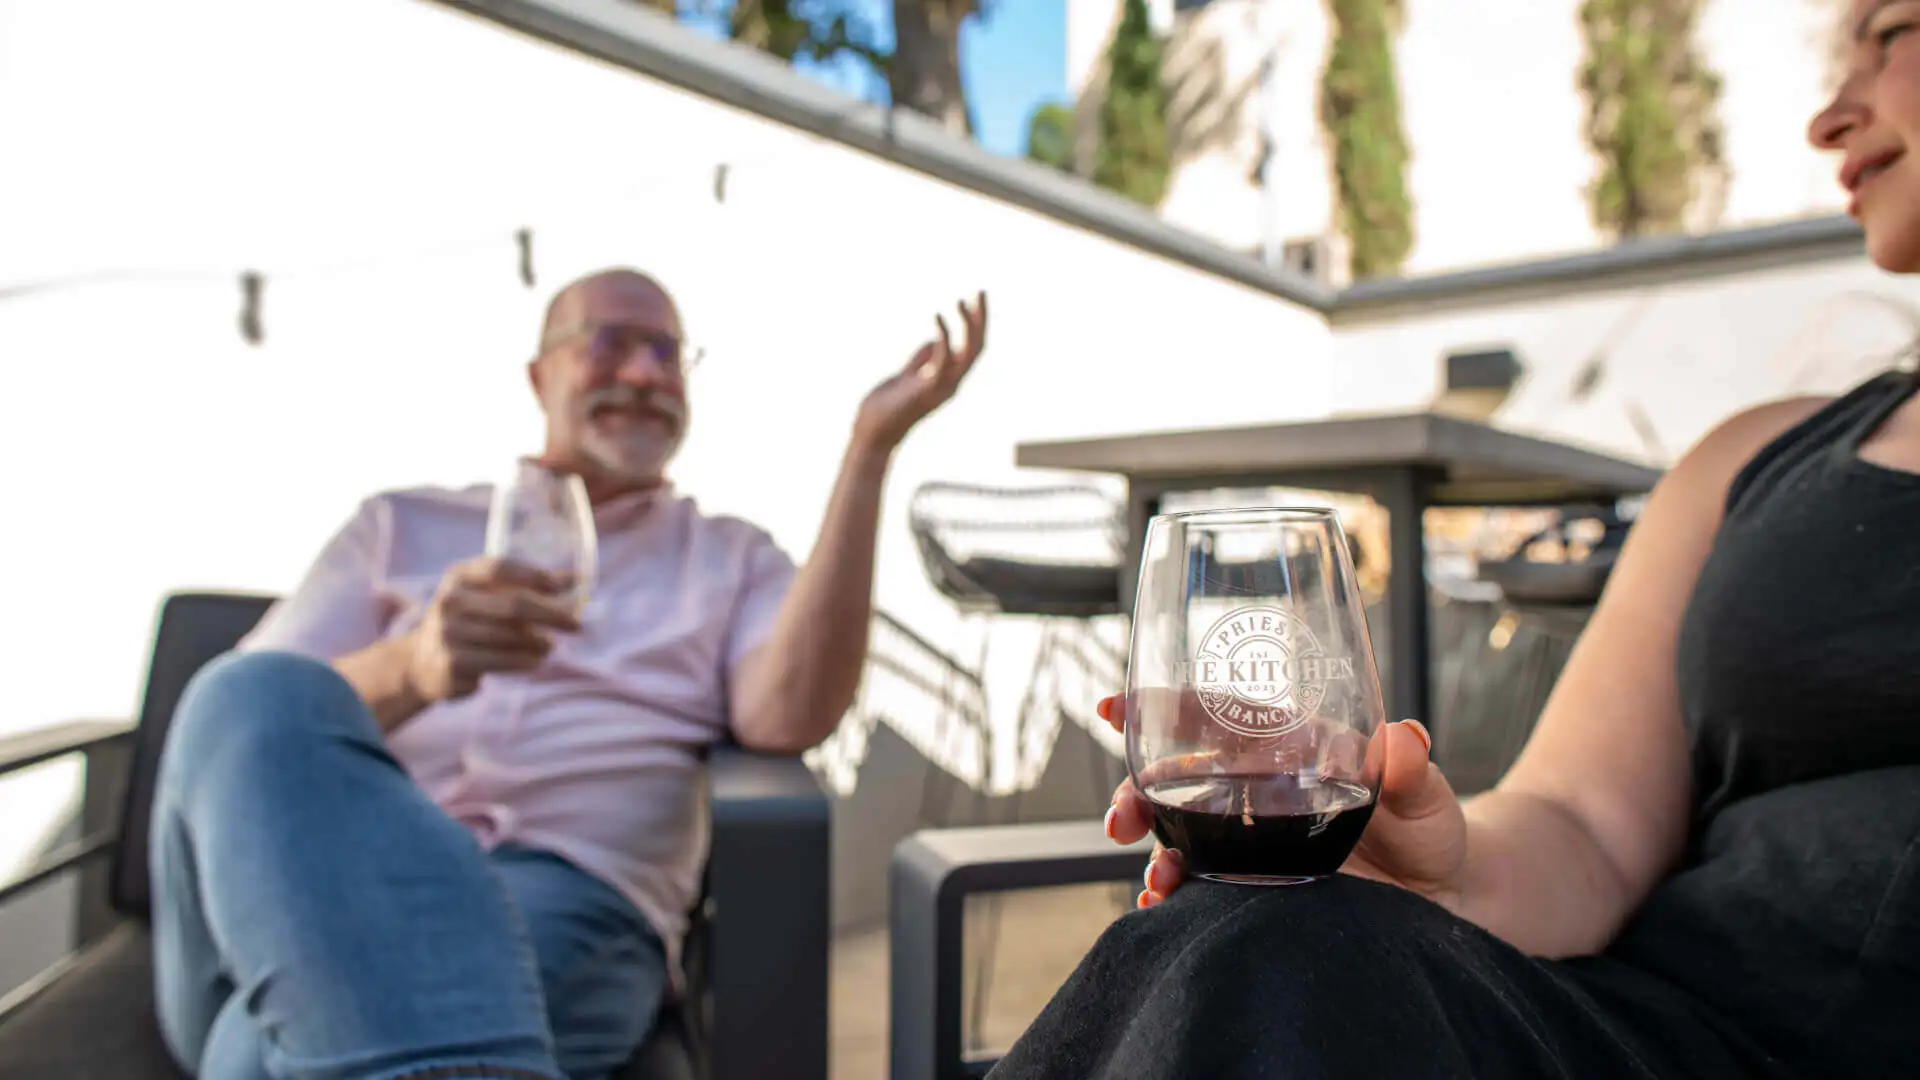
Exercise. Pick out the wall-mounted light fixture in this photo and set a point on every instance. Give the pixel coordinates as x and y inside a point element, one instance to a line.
<point>1474,384</point>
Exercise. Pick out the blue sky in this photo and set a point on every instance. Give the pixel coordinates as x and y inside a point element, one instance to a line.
<point>1014,61</point>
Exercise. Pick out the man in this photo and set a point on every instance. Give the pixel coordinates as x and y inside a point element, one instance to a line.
<point>430,822</point>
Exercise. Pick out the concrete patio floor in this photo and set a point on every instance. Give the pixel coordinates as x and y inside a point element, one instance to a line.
<point>1034,940</point>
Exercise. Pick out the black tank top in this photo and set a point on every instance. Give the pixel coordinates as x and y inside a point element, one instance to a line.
<point>1800,653</point>
<point>1795,918</point>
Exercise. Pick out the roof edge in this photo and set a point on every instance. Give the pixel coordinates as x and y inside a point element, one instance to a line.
<point>1639,261</point>
<point>648,43</point>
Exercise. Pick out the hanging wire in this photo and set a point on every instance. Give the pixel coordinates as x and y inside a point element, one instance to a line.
<point>21,290</point>
<point>720,176</point>
<point>521,238</point>
<point>253,282</point>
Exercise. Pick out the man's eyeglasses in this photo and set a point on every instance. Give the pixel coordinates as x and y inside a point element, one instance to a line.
<point>611,344</point>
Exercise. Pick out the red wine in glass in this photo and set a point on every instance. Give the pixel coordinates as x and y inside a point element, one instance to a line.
<point>1253,704</point>
<point>1262,828</point>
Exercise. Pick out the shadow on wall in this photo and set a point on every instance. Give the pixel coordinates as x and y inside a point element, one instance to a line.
<point>1207,109</point>
<point>916,752</point>
<point>901,792</point>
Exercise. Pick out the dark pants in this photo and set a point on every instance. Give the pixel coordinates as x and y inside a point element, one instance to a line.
<point>1345,979</point>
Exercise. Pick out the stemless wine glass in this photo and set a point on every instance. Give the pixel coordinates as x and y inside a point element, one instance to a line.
<point>1253,704</point>
<point>541,518</point>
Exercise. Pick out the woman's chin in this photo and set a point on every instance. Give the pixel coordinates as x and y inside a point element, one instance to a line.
<point>1895,249</point>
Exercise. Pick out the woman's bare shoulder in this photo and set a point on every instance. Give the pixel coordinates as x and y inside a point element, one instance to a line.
<point>1722,452</point>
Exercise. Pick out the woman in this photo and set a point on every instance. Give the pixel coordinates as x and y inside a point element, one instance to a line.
<point>1705,864</point>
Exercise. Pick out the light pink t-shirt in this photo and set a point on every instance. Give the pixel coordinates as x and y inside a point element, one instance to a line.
<point>596,756</point>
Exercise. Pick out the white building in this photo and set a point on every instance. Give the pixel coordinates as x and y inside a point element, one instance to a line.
<point>1492,112</point>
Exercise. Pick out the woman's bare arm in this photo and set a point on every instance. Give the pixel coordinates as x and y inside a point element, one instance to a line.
<point>1595,811</point>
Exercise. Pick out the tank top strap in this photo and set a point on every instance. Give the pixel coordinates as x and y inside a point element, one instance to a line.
<point>1826,440</point>
<point>1877,400</point>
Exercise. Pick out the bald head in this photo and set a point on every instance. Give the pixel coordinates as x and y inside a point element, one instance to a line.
<point>610,380</point>
<point>579,303</point>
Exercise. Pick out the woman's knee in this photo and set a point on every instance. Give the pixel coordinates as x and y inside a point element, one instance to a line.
<point>1244,981</point>
<point>261,706</point>
<point>1325,930</point>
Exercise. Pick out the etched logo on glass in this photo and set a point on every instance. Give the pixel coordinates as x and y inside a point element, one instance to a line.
<point>1261,672</point>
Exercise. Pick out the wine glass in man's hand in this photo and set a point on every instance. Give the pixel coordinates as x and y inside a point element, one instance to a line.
<point>541,519</point>
<point>498,613</point>
<point>489,616</point>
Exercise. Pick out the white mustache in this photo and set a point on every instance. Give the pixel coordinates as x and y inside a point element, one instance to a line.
<point>628,398</point>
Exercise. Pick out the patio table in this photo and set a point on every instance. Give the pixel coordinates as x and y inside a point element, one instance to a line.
<point>1406,462</point>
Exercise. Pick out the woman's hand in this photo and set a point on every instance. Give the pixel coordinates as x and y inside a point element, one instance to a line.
<point>1416,840</point>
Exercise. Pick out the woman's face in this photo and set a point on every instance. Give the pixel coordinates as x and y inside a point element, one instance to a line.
<point>1874,121</point>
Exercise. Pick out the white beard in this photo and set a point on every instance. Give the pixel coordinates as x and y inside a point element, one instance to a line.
<point>632,452</point>
<point>636,455</point>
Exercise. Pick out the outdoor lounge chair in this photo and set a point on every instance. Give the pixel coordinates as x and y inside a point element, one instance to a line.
<point>1033,551</point>
<point>756,1007</point>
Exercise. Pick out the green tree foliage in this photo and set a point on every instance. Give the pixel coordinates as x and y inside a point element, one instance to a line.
<point>923,72</point>
<point>1050,136</point>
<point>788,29</point>
<point>1133,157</point>
<point>1360,113</point>
<point>922,69</point>
<point>1652,113</point>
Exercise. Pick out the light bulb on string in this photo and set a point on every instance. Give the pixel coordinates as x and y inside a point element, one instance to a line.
<point>252,285</point>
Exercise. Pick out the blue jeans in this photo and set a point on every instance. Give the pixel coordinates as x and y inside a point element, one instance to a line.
<point>317,917</point>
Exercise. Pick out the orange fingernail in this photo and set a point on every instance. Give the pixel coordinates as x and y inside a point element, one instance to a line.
<point>1141,901</point>
<point>1105,709</point>
<point>1420,729</point>
<point>1112,812</point>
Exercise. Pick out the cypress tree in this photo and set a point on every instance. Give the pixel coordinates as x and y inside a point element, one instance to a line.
<point>1652,113</point>
<point>1133,157</point>
<point>1360,113</point>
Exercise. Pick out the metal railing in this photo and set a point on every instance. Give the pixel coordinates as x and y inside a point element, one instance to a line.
<point>106,746</point>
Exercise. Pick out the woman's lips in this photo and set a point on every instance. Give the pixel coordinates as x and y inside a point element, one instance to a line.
<point>1859,177</point>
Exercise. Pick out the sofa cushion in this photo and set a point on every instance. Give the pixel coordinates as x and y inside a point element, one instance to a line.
<point>93,1023</point>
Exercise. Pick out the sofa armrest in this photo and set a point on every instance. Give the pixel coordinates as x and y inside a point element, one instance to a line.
<point>769,899</point>
<point>44,744</point>
<point>933,872</point>
<point>105,745</point>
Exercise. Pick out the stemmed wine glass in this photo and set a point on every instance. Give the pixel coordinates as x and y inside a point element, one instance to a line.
<point>1253,703</point>
<point>541,518</point>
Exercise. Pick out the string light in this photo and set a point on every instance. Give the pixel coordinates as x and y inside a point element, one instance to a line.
<point>523,240</point>
<point>252,285</point>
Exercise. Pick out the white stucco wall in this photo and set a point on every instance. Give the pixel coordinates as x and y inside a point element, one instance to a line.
<point>149,449</point>
<point>1683,355</point>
